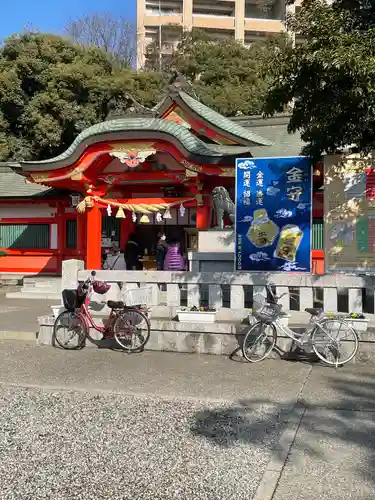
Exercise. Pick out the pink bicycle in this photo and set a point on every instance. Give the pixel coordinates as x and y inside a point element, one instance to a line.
<point>128,325</point>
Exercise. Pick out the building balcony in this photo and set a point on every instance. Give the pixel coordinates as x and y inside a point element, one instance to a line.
<point>163,20</point>
<point>264,25</point>
<point>213,22</point>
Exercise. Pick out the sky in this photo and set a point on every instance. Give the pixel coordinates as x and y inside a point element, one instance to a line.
<point>52,15</point>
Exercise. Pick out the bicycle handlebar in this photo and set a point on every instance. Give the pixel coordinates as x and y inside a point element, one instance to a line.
<point>277,298</point>
<point>89,279</point>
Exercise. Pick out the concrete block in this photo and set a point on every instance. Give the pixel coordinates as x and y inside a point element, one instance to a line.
<point>173,294</point>
<point>70,270</point>
<point>216,241</point>
<point>216,338</point>
<point>212,344</point>
<point>237,297</point>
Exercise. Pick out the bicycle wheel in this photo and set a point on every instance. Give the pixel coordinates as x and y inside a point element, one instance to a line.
<point>131,329</point>
<point>334,341</point>
<point>259,342</point>
<point>70,330</point>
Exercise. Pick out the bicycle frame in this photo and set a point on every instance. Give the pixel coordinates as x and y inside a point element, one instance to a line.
<point>303,338</point>
<point>104,330</point>
<point>89,320</point>
<point>300,338</point>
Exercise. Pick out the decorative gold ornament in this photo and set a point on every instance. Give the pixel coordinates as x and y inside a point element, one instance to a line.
<point>76,174</point>
<point>227,172</point>
<point>191,169</point>
<point>132,154</point>
<point>39,177</point>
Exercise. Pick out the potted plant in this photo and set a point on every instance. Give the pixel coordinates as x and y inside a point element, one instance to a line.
<point>357,320</point>
<point>196,315</point>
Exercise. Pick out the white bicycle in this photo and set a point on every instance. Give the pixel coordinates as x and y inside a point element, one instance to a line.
<point>333,340</point>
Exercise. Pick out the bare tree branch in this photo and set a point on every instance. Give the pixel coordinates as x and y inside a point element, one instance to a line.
<point>115,35</point>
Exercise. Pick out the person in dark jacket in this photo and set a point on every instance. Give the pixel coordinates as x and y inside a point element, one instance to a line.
<point>161,251</point>
<point>133,254</point>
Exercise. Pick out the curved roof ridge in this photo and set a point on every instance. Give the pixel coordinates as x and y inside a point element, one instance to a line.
<point>190,142</point>
<point>220,121</point>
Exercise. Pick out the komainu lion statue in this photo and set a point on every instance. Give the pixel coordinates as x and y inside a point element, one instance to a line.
<point>223,205</point>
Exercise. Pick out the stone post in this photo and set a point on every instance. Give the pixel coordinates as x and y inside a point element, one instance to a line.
<point>70,270</point>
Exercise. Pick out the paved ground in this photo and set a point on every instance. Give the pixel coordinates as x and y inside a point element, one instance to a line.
<point>20,315</point>
<point>104,425</point>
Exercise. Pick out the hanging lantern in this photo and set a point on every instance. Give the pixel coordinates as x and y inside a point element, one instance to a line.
<point>134,217</point>
<point>158,217</point>
<point>75,199</point>
<point>109,210</point>
<point>167,214</point>
<point>120,213</point>
<point>182,210</point>
<point>144,219</point>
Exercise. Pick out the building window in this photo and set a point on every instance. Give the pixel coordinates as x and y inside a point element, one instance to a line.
<point>318,234</point>
<point>71,233</point>
<point>24,236</point>
<point>111,228</point>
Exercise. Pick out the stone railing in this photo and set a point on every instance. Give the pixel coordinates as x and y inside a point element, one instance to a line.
<point>235,290</point>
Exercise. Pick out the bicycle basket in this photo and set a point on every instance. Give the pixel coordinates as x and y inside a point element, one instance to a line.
<point>266,312</point>
<point>72,299</point>
<point>138,297</point>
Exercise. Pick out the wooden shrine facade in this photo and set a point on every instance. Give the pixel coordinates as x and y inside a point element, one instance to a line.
<point>156,171</point>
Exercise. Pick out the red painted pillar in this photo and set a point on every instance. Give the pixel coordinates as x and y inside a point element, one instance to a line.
<point>94,238</point>
<point>60,221</point>
<point>81,236</point>
<point>203,217</point>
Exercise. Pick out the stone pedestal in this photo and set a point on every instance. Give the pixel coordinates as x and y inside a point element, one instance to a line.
<point>216,240</point>
<point>215,251</point>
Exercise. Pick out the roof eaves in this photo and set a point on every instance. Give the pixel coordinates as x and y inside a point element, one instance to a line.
<point>218,121</point>
<point>144,129</point>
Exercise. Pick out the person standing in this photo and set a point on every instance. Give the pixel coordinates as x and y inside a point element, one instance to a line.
<point>133,254</point>
<point>115,260</point>
<point>161,251</point>
<point>174,261</point>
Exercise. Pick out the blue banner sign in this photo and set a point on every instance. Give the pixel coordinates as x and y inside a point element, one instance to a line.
<point>273,214</point>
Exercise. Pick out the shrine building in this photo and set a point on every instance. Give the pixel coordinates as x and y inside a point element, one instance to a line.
<point>134,174</point>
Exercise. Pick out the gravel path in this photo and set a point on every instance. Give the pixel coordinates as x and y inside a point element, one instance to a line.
<point>75,445</point>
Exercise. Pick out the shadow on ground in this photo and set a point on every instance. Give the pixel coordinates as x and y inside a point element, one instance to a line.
<point>335,442</point>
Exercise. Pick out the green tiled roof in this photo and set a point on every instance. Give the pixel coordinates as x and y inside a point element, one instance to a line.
<point>13,185</point>
<point>138,129</point>
<point>275,130</point>
<point>220,121</point>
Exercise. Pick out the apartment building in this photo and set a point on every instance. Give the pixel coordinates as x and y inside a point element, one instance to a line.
<point>162,21</point>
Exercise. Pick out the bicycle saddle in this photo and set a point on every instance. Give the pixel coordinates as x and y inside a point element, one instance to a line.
<point>115,305</point>
<point>314,311</point>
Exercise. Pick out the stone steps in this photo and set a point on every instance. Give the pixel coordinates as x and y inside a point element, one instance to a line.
<point>35,296</point>
<point>45,288</point>
<point>11,279</point>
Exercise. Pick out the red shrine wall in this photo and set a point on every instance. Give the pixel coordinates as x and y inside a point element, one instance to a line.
<point>34,236</point>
